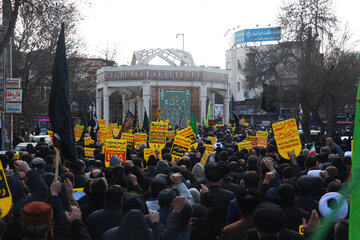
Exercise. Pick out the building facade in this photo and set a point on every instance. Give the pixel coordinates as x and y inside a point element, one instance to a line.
<point>178,89</point>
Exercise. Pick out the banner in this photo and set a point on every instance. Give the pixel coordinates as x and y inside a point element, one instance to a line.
<point>158,126</point>
<point>78,130</point>
<point>5,194</point>
<point>106,134</point>
<point>212,139</point>
<point>88,141</point>
<point>102,123</point>
<point>157,139</point>
<point>116,132</point>
<point>89,152</point>
<point>189,133</point>
<point>150,151</point>
<point>113,126</point>
<point>253,140</point>
<point>209,147</point>
<point>262,138</point>
<point>129,138</point>
<point>170,135</point>
<point>119,151</point>
<point>180,146</point>
<point>204,158</point>
<point>247,145</point>
<point>287,137</point>
<point>139,138</point>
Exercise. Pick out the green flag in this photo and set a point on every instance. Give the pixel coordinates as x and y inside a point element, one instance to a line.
<point>192,124</point>
<point>354,230</point>
<point>208,114</point>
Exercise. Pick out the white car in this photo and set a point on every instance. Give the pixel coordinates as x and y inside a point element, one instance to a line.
<point>36,139</point>
<point>23,145</point>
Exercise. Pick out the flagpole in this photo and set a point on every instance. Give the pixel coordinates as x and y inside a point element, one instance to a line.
<point>57,160</point>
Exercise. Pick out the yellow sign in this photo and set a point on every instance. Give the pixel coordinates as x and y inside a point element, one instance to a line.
<point>188,133</point>
<point>5,194</point>
<point>139,138</point>
<point>158,114</point>
<point>102,123</point>
<point>89,152</point>
<point>245,145</point>
<point>262,138</point>
<point>204,158</point>
<point>150,151</point>
<point>242,121</point>
<point>115,147</point>
<point>106,134</point>
<point>212,139</point>
<point>88,141</point>
<point>116,132</point>
<point>157,139</point>
<point>170,135</point>
<point>180,146</point>
<point>209,147</point>
<point>16,156</point>
<point>253,140</point>
<point>78,130</point>
<point>113,126</point>
<point>287,137</point>
<point>301,229</point>
<point>129,138</point>
<point>158,126</point>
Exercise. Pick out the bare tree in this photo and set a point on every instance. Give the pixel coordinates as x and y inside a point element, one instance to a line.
<point>306,66</point>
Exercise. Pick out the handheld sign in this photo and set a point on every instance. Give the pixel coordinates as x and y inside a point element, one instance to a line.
<point>5,194</point>
<point>180,146</point>
<point>78,130</point>
<point>253,140</point>
<point>262,138</point>
<point>247,145</point>
<point>287,137</point>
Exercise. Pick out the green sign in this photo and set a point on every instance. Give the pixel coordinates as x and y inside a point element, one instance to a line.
<point>175,103</point>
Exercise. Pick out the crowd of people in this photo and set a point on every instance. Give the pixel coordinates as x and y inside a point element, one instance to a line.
<point>236,194</point>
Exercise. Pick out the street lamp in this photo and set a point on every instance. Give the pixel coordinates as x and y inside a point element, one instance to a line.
<point>181,34</point>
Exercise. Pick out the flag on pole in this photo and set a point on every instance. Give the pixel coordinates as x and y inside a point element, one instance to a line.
<point>312,151</point>
<point>236,119</point>
<point>59,105</point>
<point>93,122</point>
<point>192,124</point>
<point>354,230</point>
<point>129,122</point>
<point>136,120</point>
<point>146,123</point>
<point>208,114</point>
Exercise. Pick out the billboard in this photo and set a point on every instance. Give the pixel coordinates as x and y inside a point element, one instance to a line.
<point>174,103</point>
<point>256,35</point>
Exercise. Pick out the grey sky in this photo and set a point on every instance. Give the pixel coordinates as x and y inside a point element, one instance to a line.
<point>132,25</point>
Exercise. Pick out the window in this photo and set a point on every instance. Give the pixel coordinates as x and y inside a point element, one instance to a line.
<point>238,86</point>
<point>239,64</point>
<point>228,65</point>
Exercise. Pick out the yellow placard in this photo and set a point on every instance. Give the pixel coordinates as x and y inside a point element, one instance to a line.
<point>157,139</point>
<point>16,156</point>
<point>51,135</point>
<point>116,132</point>
<point>89,152</point>
<point>170,135</point>
<point>188,133</point>
<point>5,194</point>
<point>204,158</point>
<point>253,140</point>
<point>212,139</point>
<point>78,130</point>
<point>159,126</point>
<point>180,146</point>
<point>209,147</point>
<point>287,137</point>
<point>129,138</point>
<point>88,141</point>
<point>247,145</point>
<point>262,138</point>
<point>106,134</point>
<point>220,125</point>
<point>139,138</point>
<point>301,229</point>
<point>102,123</point>
<point>113,126</point>
<point>150,151</point>
<point>187,122</point>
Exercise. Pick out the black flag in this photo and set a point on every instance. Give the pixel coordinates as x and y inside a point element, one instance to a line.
<point>59,106</point>
<point>93,122</point>
<point>136,120</point>
<point>146,123</point>
<point>129,122</point>
<point>236,119</point>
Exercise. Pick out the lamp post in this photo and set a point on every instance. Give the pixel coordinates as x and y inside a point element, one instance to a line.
<point>183,37</point>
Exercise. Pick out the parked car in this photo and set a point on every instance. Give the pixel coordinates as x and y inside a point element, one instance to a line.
<point>23,145</point>
<point>36,139</point>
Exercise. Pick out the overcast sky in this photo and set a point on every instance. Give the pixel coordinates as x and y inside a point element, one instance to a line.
<point>130,25</point>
